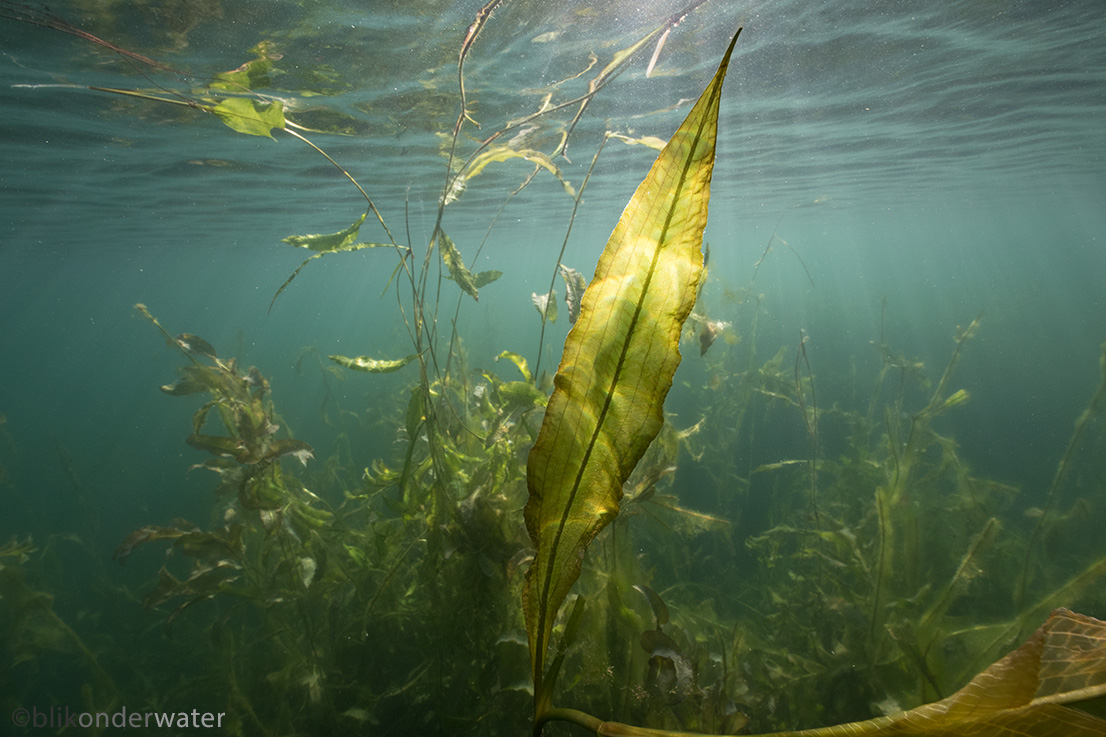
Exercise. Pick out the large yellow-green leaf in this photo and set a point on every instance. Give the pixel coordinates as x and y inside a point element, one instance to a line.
<point>617,367</point>
<point>1025,694</point>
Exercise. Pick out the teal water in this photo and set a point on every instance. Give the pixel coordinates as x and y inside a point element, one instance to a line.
<point>911,164</point>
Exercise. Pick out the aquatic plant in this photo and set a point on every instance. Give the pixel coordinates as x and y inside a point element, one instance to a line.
<point>37,640</point>
<point>616,370</point>
<point>605,410</point>
<point>812,590</point>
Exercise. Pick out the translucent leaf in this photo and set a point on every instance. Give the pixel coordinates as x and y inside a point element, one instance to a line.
<point>374,365</point>
<point>495,154</point>
<point>342,241</point>
<point>330,242</point>
<point>251,75</point>
<point>518,361</point>
<point>307,566</point>
<point>546,304</point>
<point>650,141</point>
<point>457,271</point>
<point>575,284</point>
<point>484,278</point>
<point>617,368</point>
<point>520,395</point>
<point>196,344</point>
<point>250,116</point>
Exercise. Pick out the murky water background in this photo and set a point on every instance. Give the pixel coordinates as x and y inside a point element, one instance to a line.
<point>912,164</point>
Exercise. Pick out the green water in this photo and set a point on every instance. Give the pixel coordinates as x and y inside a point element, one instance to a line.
<point>886,172</point>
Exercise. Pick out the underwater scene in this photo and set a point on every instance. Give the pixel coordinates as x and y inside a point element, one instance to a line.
<point>519,367</point>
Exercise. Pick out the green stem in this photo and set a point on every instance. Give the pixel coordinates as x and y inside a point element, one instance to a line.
<point>587,721</point>
<point>1058,480</point>
<point>93,661</point>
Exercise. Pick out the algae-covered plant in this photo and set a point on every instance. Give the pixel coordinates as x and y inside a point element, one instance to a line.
<point>537,552</point>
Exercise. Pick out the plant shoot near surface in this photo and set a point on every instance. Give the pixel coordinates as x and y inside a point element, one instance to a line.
<point>526,550</point>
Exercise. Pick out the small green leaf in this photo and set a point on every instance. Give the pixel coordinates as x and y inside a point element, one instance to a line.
<point>519,361</point>
<point>486,277</point>
<point>250,116</point>
<point>656,603</point>
<point>958,398</point>
<point>251,75</point>
<point>575,284</point>
<point>307,569</point>
<point>290,446</point>
<point>219,445</point>
<point>196,344</point>
<point>184,386</point>
<point>415,412</point>
<point>650,141</point>
<point>340,241</point>
<point>482,278</point>
<point>373,365</point>
<point>452,258</point>
<point>546,304</point>
<point>521,395</point>
<point>146,534</point>
<point>356,554</point>
<point>503,153</point>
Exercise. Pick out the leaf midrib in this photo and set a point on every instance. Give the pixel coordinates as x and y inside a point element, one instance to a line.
<point>548,578</point>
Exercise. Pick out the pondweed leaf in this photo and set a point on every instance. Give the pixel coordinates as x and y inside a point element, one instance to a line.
<point>483,278</point>
<point>250,116</point>
<point>650,141</point>
<point>617,368</point>
<point>457,271</point>
<point>185,385</point>
<point>575,284</point>
<point>656,603</point>
<point>252,75</point>
<point>520,362</point>
<point>342,241</point>
<point>520,395</point>
<point>374,365</point>
<point>146,534</point>
<point>196,344</point>
<point>329,242</point>
<point>290,446</point>
<point>546,304</point>
<point>220,446</point>
<point>504,153</point>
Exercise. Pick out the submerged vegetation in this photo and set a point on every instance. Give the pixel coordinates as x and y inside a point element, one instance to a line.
<point>529,541</point>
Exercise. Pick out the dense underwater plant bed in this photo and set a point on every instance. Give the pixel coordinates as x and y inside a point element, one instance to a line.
<point>528,540</point>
